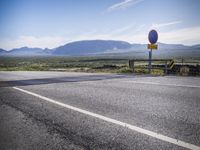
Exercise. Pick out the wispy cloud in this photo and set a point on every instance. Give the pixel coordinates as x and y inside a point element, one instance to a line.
<point>124,4</point>
<point>124,29</point>
<point>165,24</point>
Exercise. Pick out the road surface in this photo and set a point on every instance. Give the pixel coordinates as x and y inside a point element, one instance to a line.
<point>59,110</point>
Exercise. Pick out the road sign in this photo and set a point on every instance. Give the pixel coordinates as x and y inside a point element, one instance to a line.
<point>153,36</point>
<point>171,64</point>
<point>152,46</point>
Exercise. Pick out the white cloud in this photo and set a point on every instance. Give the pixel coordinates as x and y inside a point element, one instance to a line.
<point>141,28</point>
<point>31,41</point>
<point>165,24</point>
<point>124,4</point>
<point>124,29</point>
<point>187,36</point>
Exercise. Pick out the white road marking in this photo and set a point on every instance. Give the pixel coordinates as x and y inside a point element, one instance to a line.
<point>110,120</point>
<point>164,84</point>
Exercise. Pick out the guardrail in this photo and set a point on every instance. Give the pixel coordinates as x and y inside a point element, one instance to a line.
<point>166,64</point>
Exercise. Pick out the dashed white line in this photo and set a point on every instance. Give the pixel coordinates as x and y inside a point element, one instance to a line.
<point>164,84</point>
<point>110,120</point>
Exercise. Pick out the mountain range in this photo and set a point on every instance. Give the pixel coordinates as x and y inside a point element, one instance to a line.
<point>106,47</point>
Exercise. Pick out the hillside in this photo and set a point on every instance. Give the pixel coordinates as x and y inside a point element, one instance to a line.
<point>2,51</point>
<point>25,51</point>
<point>107,48</point>
<point>90,47</point>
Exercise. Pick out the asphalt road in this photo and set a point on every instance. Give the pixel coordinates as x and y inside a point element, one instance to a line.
<point>59,110</point>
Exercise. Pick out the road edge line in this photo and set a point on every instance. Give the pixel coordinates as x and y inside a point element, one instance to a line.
<point>110,120</point>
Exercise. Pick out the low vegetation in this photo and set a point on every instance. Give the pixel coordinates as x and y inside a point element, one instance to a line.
<point>77,64</point>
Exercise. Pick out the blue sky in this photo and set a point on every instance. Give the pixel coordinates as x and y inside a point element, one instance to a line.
<point>51,23</point>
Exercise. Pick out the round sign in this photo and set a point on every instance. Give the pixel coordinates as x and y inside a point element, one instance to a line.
<point>153,36</point>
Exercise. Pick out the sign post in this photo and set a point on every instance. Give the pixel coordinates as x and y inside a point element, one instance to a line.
<point>150,58</point>
<point>153,38</point>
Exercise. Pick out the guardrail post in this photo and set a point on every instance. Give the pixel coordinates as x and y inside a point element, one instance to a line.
<point>132,64</point>
<point>166,67</point>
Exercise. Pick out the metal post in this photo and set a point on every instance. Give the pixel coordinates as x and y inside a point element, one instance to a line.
<point>150,58</point>
<point>133,66</point>
<point>166,68</point>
